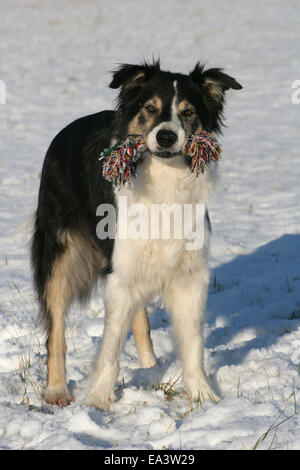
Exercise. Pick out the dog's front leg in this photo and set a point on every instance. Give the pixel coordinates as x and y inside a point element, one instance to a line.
<point>119,310</point>
<point>185,299</point>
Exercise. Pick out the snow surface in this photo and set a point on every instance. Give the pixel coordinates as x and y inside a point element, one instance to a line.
<point>55,59</point>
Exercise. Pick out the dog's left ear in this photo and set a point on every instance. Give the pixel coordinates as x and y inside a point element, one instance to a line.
<point>214,81</point>
<point>131,76</point>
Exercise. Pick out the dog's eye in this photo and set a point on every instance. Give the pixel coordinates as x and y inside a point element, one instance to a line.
<point>188,112</point>
<point>150,108</point>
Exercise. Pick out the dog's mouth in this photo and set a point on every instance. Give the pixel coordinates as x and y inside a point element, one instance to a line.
<point>165,153</point>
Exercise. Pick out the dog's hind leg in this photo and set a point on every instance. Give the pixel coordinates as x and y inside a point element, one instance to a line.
<point>141,333</point>
<point>57,300</point>
<point>72,270</point>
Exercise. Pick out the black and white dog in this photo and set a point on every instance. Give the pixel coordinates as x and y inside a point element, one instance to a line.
<point>67,255</point>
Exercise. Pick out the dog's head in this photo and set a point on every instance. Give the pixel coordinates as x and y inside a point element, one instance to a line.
<point>165,108</point>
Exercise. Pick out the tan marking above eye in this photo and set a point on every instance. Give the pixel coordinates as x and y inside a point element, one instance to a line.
<point>186,109</point>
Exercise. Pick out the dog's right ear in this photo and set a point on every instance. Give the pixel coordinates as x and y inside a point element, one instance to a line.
<point>130,76</point>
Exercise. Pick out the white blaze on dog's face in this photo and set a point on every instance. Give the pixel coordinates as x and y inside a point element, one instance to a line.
<point>168,137</point>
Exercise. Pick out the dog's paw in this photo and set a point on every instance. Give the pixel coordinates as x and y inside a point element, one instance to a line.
<point>100,401</point>
<point>58,395</point>
<point>147,361</point>
<point>199,390</point>
<point>205,394</point>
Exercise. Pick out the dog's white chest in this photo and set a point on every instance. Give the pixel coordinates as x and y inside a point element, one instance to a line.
<point>155,245</point>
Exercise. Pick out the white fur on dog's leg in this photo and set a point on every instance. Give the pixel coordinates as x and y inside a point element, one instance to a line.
<point>102,394</point>
<point>185,299</point>
<point>118,314</point>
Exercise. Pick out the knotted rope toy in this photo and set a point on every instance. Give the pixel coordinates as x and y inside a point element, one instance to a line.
<point>120,160</point>
<point>202,148</point>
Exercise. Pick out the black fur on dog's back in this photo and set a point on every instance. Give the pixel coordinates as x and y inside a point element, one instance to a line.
<point>71,189</point>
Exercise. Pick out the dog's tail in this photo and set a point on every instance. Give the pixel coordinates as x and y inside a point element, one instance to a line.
<point>43,254</point>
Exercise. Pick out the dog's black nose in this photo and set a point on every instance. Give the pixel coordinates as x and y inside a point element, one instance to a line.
<point>166,138</point>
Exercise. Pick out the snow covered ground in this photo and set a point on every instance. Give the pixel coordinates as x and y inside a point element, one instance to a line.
<point>55,59</point>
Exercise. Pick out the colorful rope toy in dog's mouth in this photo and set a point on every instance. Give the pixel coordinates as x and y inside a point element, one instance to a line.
<point>120,160</point>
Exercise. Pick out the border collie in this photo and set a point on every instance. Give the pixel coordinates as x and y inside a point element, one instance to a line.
<point>68,257</point>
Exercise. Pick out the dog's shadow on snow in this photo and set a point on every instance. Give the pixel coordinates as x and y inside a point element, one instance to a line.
<point>253,300</point>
